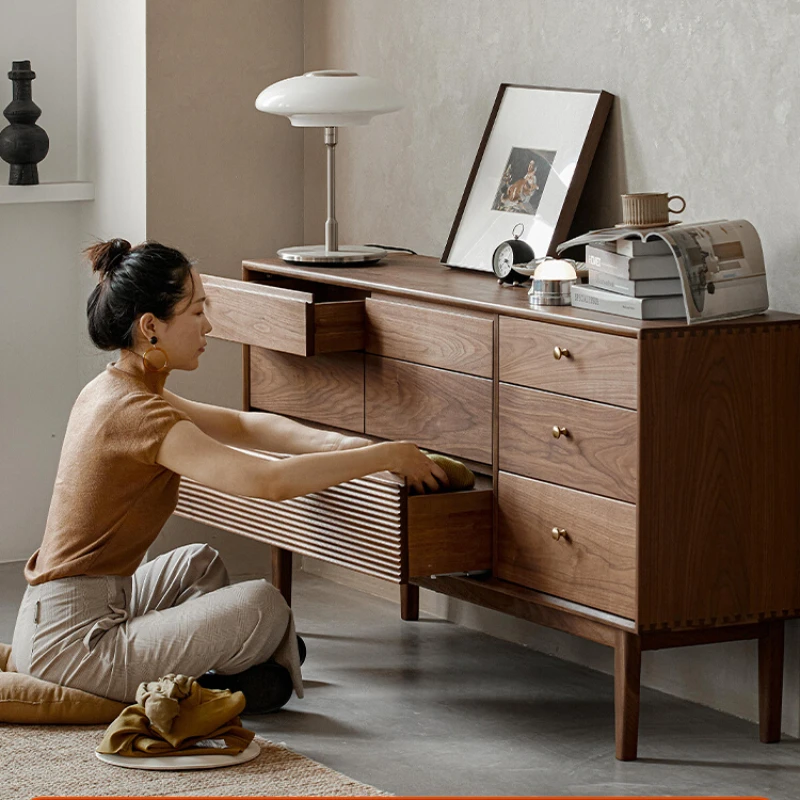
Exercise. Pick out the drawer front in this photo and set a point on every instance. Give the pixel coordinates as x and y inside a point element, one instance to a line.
<point>327,389</point>
<point>596,452</point>
<point>436,409</point>
<point>452,340</point>
<point>593,559</point>
<point>370,524</point>
<point>597,366</point>
<point>286,320</point>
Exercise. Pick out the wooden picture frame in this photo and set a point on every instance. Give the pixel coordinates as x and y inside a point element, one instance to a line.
<point>530,167</point>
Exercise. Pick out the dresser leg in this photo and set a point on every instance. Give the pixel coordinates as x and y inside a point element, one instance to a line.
<point>770,681</point>
<point>627,674</point>
<point>409,602</point>
<point>282,572</point>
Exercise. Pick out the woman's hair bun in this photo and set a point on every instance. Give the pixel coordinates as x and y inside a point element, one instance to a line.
<point>106,256</point>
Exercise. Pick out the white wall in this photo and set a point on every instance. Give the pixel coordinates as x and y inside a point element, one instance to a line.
<point>111,103</point>
<point>38,382</point>
<point>44,33</point>
<point>707,107</point>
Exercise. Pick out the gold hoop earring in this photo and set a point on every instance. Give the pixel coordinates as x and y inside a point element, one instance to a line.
<point>147,364</point>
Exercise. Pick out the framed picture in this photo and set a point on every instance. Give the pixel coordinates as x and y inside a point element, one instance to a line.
<point>530,168</point>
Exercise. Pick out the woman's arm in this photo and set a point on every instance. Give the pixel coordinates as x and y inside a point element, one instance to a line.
<point>190,452</point>
<point>263,431</point>
<point>258,430</point>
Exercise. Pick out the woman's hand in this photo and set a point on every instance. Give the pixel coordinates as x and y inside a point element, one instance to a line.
<point>408,461</point>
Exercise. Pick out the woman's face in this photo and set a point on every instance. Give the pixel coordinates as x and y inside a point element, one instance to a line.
<point>183,338</point>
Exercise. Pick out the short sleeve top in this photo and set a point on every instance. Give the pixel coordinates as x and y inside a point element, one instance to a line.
<point>110,498</point>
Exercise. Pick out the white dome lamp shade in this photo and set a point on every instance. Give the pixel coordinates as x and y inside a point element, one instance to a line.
<point>330,99</point>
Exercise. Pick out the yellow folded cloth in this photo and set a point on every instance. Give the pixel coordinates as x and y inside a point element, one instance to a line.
<point>176,716</point>
<point>460,475</point>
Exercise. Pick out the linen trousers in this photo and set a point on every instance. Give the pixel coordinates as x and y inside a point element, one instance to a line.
<point>178,613</point>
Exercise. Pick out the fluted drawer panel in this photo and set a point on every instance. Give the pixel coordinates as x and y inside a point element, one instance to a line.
<point>320,525</point>
<point>370,524</point>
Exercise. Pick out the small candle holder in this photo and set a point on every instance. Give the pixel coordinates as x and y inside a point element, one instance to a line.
<point>552,282</point>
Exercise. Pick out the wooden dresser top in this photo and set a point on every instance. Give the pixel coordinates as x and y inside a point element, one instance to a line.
<point>426,278</point>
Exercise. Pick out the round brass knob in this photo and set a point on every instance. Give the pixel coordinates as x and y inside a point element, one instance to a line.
<point>558,432</point>
<point>558,533</point>
<point>558,352</point>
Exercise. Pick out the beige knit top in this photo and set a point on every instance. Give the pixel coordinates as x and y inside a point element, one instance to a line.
<point>110,498</point>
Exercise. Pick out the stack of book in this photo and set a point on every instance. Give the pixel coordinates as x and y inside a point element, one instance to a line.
<point>632,278</point>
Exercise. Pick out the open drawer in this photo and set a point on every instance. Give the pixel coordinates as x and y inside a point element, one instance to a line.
<point>299,321</point>
<point>372,524</point>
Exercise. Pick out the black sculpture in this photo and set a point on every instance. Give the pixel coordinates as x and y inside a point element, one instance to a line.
<point>23,144</point>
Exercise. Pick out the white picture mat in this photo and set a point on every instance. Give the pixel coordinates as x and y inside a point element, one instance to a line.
<point>537,119</point>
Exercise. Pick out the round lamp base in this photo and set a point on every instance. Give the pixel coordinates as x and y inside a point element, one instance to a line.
<point>546,292</point>
<point>345,255</point>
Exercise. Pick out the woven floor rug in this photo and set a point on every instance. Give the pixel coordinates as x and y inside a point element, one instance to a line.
<point>59,760</point>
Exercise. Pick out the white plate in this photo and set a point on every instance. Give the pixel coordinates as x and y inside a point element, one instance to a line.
<point>203,761</point>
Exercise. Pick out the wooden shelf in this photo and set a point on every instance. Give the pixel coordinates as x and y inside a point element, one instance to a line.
<point>47,193</point>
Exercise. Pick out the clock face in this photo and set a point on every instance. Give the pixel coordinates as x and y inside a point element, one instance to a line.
<point>503,260</point>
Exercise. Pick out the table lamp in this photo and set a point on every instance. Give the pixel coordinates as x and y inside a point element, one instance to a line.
<point>552,282</point>
<point>330,99</point>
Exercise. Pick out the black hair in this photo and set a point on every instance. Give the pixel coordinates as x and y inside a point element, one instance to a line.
<point>150,277</point>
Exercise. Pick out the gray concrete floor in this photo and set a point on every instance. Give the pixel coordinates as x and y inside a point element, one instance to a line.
<point>431,708</point>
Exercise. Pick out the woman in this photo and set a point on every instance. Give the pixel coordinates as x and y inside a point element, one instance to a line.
<point>93,617</point>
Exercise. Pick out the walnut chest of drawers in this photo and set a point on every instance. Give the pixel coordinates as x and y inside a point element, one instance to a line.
<point>637,480</point>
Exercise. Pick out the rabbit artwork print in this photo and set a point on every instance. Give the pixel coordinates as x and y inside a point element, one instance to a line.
<point>523,180</point>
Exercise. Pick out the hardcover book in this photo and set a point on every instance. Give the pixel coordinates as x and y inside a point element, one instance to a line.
<point>631,267</point>
<point>639,288</point>
<point>668,307</point>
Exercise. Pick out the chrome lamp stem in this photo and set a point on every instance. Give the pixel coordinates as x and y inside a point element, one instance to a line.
<point>331,225</point>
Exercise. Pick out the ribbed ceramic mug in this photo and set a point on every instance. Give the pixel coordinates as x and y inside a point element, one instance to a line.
<point>649,208</point>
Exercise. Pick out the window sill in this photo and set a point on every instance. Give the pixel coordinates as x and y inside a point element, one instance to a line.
<point>47,193</point>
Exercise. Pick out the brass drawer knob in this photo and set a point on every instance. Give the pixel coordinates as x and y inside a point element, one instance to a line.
<point>558,533</point>
<point>558,432</point>
<point>558,352</point>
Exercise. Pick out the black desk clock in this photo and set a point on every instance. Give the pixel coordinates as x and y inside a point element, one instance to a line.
<point>509,254</point>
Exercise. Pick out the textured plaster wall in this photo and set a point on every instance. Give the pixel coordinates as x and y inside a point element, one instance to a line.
<point>708,106</point>
<point>224,181</point>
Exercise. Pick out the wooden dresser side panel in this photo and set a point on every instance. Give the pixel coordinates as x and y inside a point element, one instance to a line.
<point>719,500</point>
